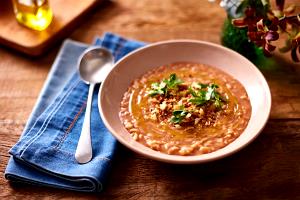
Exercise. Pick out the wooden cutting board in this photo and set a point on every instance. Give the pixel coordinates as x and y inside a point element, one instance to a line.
<point>67,14</point>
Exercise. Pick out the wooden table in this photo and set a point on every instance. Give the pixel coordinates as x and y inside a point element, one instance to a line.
<point>269,168</point>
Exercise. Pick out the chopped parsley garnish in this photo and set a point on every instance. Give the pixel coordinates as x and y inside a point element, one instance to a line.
<point>158,89</point>
<point>198,94</point>
<point>201,85</point>
<point>207,93</point>
<point>178,116</point>
<point>165,86</point>
<point>173,81</point>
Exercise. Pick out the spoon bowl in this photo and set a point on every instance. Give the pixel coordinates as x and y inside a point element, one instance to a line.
<point>93,66</point>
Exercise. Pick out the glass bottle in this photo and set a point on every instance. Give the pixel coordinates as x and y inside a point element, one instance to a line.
<point>35,14</point>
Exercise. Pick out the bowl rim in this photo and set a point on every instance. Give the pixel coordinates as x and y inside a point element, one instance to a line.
<point>195,159</point>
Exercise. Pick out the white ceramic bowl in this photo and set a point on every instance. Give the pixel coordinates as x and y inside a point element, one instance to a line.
<point>144,59</point>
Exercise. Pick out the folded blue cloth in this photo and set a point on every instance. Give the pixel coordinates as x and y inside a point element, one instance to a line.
<point>44,155</point>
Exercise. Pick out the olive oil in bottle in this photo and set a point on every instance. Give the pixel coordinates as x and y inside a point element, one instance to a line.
<point>35,14</point>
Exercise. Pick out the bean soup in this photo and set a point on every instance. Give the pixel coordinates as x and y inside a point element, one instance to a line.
<point>185,109</point>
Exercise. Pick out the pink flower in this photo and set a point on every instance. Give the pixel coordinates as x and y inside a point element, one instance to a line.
<point>264,29</point>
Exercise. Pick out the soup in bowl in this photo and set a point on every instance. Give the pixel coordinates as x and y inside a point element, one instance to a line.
<point>184,101</point>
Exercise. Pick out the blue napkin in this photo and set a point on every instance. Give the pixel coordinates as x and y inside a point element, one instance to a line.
<point>44,155</point>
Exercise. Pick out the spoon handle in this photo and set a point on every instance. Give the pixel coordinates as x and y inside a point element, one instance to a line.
<point>83,152</point>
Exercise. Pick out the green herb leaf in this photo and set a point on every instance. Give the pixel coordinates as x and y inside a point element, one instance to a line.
<point>198,101</point>
<point>157,89</point>
<point>173,81</point>
<point>211,92</point>
<point>178,116</point>
<point>207,94</point>
<point>203,85</point>
<point>193,93</point>
<point>165,86</point>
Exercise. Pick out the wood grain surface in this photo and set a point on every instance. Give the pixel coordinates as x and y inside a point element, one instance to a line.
<point>268,168</point>
<point>66,15</point>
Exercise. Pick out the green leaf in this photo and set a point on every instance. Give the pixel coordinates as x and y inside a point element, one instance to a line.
<point>155,92</point>
<point>165,86</point>
<point>211,92</point>
<point>178,116</point>
<point>157,89</point>
<point>193,93</point>
<point>198,101</point>
<point>206,95</point>
<point>173,81</point>
<point>203,85</point>
<point>177,112</point>
<point>175,120</point>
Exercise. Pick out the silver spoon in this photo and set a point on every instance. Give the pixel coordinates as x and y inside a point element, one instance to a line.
<point>93,66</point>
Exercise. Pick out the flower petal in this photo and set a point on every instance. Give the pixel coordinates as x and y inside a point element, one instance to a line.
<point>260,25</point>
<point>260,43</point>
<point>269,47</point>
<point>240,22</point>
<point>271,35</point>
<point>293,19</point>
<point>267,53</point>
